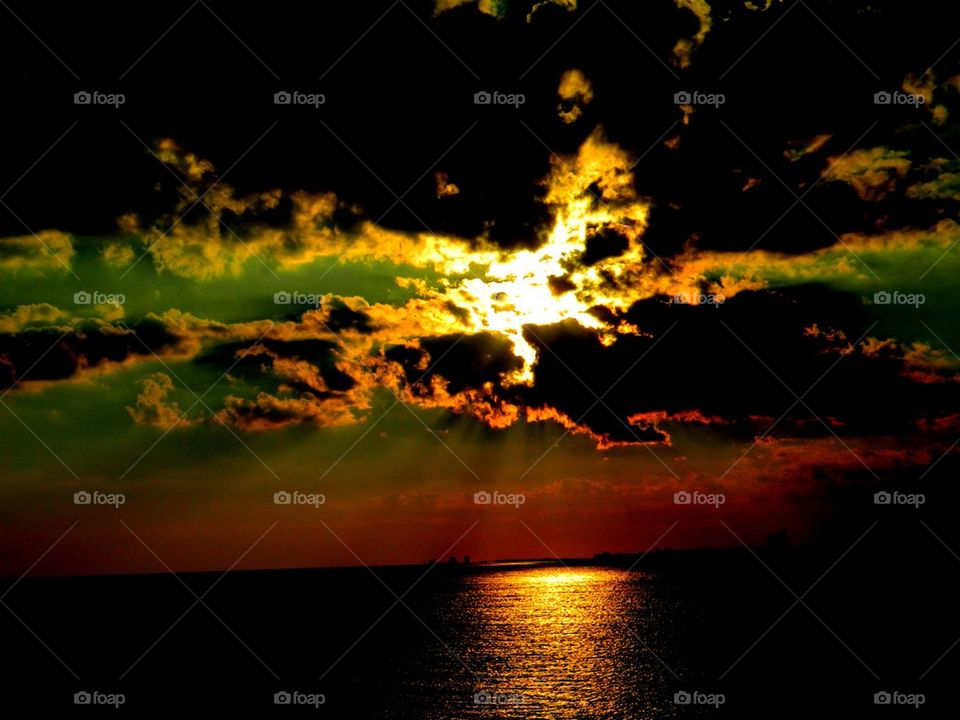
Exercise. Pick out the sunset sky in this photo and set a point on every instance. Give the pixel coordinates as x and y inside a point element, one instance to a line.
<point>400,298</point>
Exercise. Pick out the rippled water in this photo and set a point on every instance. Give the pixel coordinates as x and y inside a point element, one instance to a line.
<point>527,641</point>
<point>539,641</point>
<point>547,642</point>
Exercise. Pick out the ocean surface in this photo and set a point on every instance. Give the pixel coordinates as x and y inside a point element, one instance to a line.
<point>538,642</point>
<point>711,637</point>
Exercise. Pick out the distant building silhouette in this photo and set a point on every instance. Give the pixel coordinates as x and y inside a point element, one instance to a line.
<point>777,540</point>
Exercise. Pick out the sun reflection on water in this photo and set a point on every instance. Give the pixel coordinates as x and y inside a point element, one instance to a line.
<point>567,641</point>
<point>559,577</point>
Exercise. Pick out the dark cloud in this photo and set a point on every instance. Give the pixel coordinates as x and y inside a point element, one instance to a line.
<point>48,356</point>
<point>254,361</point>
<point>698,367</point>
<point>467,361</point>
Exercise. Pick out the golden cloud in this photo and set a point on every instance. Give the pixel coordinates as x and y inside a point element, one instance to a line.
<point>152,407</point>
<point>575,93</point>
<point>683,50</point>
<point>592,201</point>
<point>801,148</point>
<point>926,86</point>
<point>35,315</point>
<point>45,250</point>
<point>445,188</point>
<point>269,412</point>
<point>872,172</point>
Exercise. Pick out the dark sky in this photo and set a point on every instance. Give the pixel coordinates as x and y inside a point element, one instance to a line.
<point>399,100</point>
<point>498,313</point>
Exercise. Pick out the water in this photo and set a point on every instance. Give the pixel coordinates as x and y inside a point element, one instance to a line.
<point>553,642</point>
<point>539,640</point>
